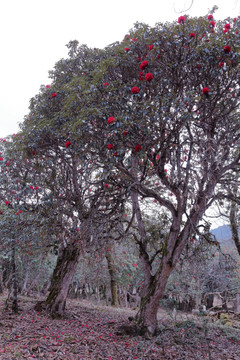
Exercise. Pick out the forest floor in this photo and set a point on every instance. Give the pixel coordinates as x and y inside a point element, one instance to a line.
<point>92,332</point>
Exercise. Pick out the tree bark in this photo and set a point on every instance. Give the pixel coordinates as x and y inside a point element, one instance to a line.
<point>13,286</point>
<point>61,279</point>
<point>234,226</point>
<point>113,277</point>
<point>155,283</point>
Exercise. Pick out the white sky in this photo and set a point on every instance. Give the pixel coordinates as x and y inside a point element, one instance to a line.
<point>34,34</point>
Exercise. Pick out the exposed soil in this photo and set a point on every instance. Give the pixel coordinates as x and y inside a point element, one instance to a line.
<point>91,332</point>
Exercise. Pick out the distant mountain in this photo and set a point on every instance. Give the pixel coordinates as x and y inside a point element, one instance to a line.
<point>222,233</point>
<point>224,237</point>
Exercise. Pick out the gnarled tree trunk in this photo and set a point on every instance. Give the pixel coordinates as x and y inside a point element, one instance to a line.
<point>61,279</point>
<point>113,277</point>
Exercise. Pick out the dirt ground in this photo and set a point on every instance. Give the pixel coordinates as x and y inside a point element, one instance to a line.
<point>92,332</point>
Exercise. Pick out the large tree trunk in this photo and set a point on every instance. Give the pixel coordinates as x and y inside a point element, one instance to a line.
<point>61,279</point>
<point>147,315</point>
<point>113,277</point>
<point>172,248</point>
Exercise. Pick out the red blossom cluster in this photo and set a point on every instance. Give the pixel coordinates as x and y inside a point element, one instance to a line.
<point>111,120</point>
<point>68,143</point>
<point>205,90</point>
<point>144,64</point>
<point>227,49</point>
<point>181,19</point>
<point>149,77</point>
<point>135,90</point>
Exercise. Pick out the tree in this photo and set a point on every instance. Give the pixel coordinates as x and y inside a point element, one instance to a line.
<point>158,116</point>
<point>163,111</point>
<point>74,180</point>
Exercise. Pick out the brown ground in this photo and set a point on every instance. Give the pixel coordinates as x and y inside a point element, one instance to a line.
<point>91,332</point>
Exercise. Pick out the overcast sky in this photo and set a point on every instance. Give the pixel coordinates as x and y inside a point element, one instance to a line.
<point>34,34</point>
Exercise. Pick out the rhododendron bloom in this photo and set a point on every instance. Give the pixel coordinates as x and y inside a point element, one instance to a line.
<point>192,35</point>
<point>143,64</point>
<point>227,26</point>
<point>106,84</point>
<point>181,19</point>
<point>210,17</point>
<point>150,47</point>
<point>205,90</point>
<point>149,76</point>
<point>134,39</point>
<point>227,49</point>
<point>1,159</point>
<point>135,90</point>
<point>106,186</point>
<point>212,24</point>
<point>54,95</point>
<point>138,148</point>
<point>67,144</point>
<point>125,132</point>
<point>36,187</point>
<point>110,146</point>
<point>31,187</point>
<point>111,120</point>
<point>126,49</point>
<point>115,154</point>
<point>48,86</point>
<point>7,202</point>
<point>221,64</point>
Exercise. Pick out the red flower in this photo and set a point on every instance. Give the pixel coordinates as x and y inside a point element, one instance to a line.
<point>34,152</point>
<point>143,65</point>
<point>115,154</point>
<point>36,187</point>
<point>110,146</point>
<point>126,49</point>
<point>48,86</point>
<point>30,187</point>
<point>106,186</point>
<point>192,35</point>
<point>227,26</point>
<point>150,47</point>
<point>134,39</point>
<point>205,90</point>
<point>181,19</point>
<point>54,95</point>
<point>149,77</point>
<point>141,75</point>
<point>135,90</point>
<point>125,132</point>
<point>198,66</point>
<point>227,49</point>
<point>7,202</point>
<point>1,159</point>
<point>210,17</point>
<point>111,120</point>
<point>138,148</point>
<point>221,64</point>
<point>212,24</point>
<point>138,59</point>
<point>106,84</point>
<point>67,144</point>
